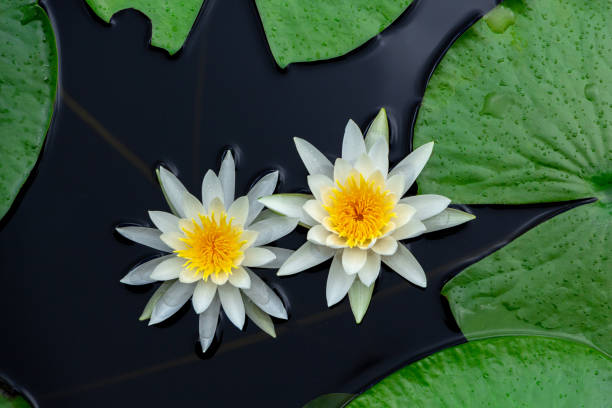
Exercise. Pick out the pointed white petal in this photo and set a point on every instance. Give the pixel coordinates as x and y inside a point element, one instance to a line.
<point>318,235</point>
<point>211,189</point>
<point>353,144</point>
<point>365,166</point>
<point>255,257</point>
<point>307,256</point>
<point>378,130</point>
<point>141,274</point>
<point>411,229</point>
<point>447,219</point>
<point>315,210</point>
<point>219,279</point>
<point>371,269</point>
<point>203,295</point>
<point>262,188</point>
<point>396,185</point>
<point>385,246</point>
<point>342,169</point>
<point>216,208</point>
<point>189,276</point>
<point>168,269</point>
<point>314,160</point>
<point>273,228</point>
<point>427,205</point>
<point>289,205</point>
<point>379,154</point>
<point>148,310</point>
<point>240,278</point>
<point>403,214</point>
<point>173,240</point>
<point>360,296</point>
<point>338,281</point>
<point>406,265</point>
<point>413,164</point>
<point>353,259</point>
<point>250,237</point>
<point>258,316</point>
<point>336,241</point>
<point>281,254</point>
<point>227,177</point>
<point>232,304</point>
<point>144,236</point>
<point>239,211</point>
<point>208,323</point>
<point>192,207</point>
<point>172,189</point>
<point>164,221</point>
<point>320,186</point>
<point>175,297</point>
<point>264,297</point>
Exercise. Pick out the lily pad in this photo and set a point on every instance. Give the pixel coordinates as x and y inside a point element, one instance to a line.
<point>499,372</point>
<point>28,82</point>
<point>311,30</point>
<point>520,108</point>
<point>171,20</point>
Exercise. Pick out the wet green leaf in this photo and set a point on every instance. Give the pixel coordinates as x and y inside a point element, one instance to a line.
<point>520,108</point>
<point>500,372</point>
<point>171,20</point>
<point>14,402</point>
<point>311,30</point>
<point>336,400</point>
<point>28,81</point>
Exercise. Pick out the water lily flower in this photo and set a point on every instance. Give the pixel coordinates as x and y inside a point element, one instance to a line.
<point>356,214</point>
<point>211,246</point>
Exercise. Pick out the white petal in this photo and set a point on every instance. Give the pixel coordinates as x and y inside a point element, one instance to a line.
<point>250,237</point>
<point>173,190</point>
<point>406,265</point>
<point>173,240</point>
<point>307,256</point>
<point>338,281</point>
<point>219,279</point>
<point>164,221</point>
<point>258,316</point>
<point>385,246</point>
<point>240,278</point>
<point>412,229</point>
<point>379,154</point>
<point>175,297</point>
<point>320,185</point>
<point>227,177</point>
<point>318,235</point>
<point>208,323</point>
<point>314,160</point>
<point>239,211</point>
<point>447,219</point>
<point>264,297</point>
<point>281,254</point>
<point>216,208</point>
<point>360,296</point>
<point>342,169</point>
<point>403,214</point>
<point>371,269</point>
<point>353,145</point>
<point>255,257</point>
<point>427,205</point>
<point>189,276</point>
<point>263,187</point>
<point>168,269</point>
<point>141,274</point>
<point>413,164</point>
<point>211,189</point>
<point>353,259</point>
<point>273,228</point>
<point>365,166</point>
<point>289,205</point>
<point>145,236</point>
<point>192,207</point>
<point>335,241</point>
<point>315,210</point>
<point>378,130</point>
<point>203,295</point>
<point>232,304</point>
<point>395,185</point>
<point>161,290</point>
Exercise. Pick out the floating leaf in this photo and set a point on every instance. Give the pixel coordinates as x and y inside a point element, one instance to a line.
<point>520,110</point>
<point>28,82</point>
<point>499,372</point>
<point>336,400</point>
<point>14,402</point>
<point>171,20</point>
<point>311,30</point>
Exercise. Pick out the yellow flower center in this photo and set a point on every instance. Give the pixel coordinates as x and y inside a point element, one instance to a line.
<point>359,209</point>
<point>214,245</point>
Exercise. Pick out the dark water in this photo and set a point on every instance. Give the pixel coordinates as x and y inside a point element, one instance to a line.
<point>71,337</point>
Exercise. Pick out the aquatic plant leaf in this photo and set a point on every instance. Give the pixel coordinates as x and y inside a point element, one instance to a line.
<point>520,111</point>
<point>311,30</point>
<point>28,82</point>
<point>171,20</point>
<point>13,402</point>
<point>499,372</point>
<point>334,400</point>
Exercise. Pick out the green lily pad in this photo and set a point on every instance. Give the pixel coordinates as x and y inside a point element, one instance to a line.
<point>499,372</point>
<point>14,402</point>
<point>335,400</point>
<point>520,108</point>
<point>171,20</point>
<point>311,30</point>
<point>28,82</point>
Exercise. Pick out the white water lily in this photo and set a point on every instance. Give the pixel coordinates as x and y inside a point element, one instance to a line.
<point>356,214</point>
<point>211,245</point>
